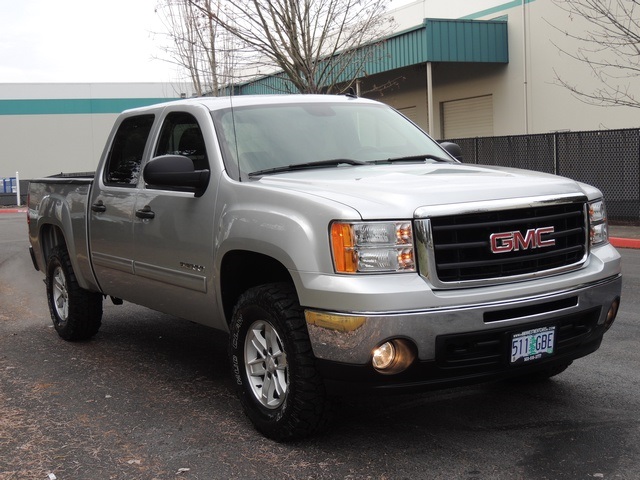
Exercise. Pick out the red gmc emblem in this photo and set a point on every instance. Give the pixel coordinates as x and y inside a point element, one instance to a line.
<point>514,241</point>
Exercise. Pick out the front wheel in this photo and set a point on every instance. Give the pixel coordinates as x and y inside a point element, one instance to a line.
<point>273,364</point>
<point>76,312</point>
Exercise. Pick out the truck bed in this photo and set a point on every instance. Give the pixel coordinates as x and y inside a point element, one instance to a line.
<point>61,201</point>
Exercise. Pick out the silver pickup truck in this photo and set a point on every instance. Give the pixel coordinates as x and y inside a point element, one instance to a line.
<point>340,246</point>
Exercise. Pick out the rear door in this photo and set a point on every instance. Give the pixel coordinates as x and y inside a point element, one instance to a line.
<point>112,204</point>
<point>173,230</point>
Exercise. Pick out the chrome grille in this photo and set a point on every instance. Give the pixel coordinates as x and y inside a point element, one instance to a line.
<point>459,247</point>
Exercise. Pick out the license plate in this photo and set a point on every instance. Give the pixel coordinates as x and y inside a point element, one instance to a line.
<point>532,345</point>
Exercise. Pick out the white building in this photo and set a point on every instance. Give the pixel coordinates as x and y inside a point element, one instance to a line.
<point>50,128</point>
<point>490,69</point>
<point>523,96</point>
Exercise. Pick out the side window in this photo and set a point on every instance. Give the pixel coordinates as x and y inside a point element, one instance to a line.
<point>123,164</point>
<point>181,135</point>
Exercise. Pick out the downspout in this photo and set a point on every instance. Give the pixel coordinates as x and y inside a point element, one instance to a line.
<point>525,72</point>
<point>430,112</point>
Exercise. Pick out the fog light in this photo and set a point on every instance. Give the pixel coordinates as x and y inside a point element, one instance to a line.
<point>394,356</point>
<point>383,356</point>
<point>612,313</point>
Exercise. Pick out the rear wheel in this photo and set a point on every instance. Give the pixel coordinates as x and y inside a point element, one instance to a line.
<point>274,369</point>
<point>76,312</point>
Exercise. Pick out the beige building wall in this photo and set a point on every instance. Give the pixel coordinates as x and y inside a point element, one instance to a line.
<point>553,107</point>
<point>42,144</point>
<point>525,93</point>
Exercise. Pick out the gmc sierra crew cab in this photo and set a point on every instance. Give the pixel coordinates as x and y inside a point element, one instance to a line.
<point>341,248</point>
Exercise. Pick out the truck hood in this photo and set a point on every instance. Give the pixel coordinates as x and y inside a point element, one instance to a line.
<point>396,191</point>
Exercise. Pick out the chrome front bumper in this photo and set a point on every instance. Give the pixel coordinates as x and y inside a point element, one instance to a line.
<point>350,339</point>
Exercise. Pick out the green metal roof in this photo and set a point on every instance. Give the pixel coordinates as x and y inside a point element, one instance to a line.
<point>436,40</point>
<point>467,41</point>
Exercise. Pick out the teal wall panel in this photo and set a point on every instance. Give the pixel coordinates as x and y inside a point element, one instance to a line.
<point>467,41</point>
<point>497,9</point>
<point>74,106</point>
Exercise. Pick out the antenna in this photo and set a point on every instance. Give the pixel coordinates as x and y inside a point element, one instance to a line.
<point>235,132</point>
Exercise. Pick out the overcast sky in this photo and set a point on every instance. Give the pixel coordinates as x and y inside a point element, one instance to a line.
<point>81,41</point>
<point>43,41</point>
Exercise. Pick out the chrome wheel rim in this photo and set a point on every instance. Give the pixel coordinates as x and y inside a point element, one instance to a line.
<point>266,365</point>
<point>60,294</point>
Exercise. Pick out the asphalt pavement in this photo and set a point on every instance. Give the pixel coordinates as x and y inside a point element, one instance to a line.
<point>151,397</point>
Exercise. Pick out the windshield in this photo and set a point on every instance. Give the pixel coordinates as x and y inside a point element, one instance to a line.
<point>271,138</point>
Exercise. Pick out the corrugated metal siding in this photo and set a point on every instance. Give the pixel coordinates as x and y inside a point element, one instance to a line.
<point>400,51</point>
<point>442,41</point>
<point>437,40</point>
<point>466,41</point>
<point>267,85</point>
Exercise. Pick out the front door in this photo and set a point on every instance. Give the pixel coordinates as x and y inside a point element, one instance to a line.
<point>173,230</point>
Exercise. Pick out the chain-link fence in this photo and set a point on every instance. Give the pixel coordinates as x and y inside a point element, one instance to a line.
<point>607,159</point>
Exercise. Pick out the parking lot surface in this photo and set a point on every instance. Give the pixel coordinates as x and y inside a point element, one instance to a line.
<point>150,397</point>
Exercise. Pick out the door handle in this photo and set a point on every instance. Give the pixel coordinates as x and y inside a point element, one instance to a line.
<point>98,207</point>
<point>145,213</point>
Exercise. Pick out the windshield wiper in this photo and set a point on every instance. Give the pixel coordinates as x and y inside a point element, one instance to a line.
<point>302,166</point>
<point>412,158</point>
<point>335,162</point>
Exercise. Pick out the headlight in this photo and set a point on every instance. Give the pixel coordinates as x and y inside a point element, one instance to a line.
<point>372,247</point>
<point>598,229</point>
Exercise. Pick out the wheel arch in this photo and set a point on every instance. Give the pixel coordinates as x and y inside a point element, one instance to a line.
<point>243,269</point>
<point>52,236</point>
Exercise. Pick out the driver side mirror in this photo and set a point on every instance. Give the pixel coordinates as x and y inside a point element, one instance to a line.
<point>452,149</point>
<point>175,172</point>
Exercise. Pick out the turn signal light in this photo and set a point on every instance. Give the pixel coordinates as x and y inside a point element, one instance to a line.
<point>372,247</point>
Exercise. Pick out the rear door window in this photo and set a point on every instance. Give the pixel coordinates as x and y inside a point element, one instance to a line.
<point>127,150</point>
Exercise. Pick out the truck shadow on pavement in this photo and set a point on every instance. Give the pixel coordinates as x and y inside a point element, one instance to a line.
<point>559,421</point>
<point>152,393</point>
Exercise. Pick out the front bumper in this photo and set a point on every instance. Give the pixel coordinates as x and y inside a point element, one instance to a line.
<point>464,344</point>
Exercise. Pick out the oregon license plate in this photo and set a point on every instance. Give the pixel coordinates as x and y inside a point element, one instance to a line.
<point>533,344</point>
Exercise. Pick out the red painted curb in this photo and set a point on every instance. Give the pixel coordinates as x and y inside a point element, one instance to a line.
<point>13,210</point>
<point>625,242</point>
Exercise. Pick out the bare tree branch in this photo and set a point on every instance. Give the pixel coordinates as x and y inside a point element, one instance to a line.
<point>317,44</point>
<point>197,45</point>
<point>610,47</point>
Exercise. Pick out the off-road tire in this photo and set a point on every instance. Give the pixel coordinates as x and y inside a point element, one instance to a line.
<point>273,364</point>
<point>76,313</point>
